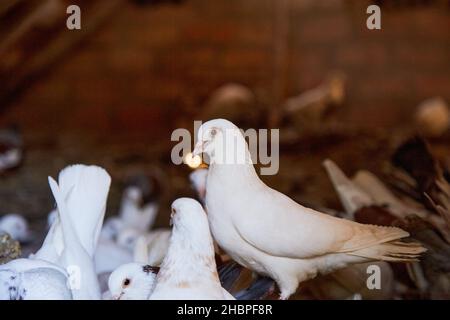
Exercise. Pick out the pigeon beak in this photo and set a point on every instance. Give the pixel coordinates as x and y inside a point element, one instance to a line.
<point>118,297</point>
<point>198,148</point>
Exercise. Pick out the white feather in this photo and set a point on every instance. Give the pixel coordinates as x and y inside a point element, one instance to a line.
<point>84,190</point>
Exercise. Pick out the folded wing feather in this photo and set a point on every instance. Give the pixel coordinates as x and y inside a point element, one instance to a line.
<point>278,226</point>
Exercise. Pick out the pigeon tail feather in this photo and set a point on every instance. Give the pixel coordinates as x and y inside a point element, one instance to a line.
<point>86,189</point>
<point>394,251</point>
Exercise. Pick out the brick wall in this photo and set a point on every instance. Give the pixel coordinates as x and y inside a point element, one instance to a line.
<point>150,66</point>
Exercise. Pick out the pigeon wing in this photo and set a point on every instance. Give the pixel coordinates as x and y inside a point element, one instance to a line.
<point>278,226</point>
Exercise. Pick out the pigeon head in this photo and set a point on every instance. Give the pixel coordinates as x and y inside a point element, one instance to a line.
<point>132,281</point>
<point>188,214</point>
<point>223,142</point>
<point>16,226</point>
<point>133,194</point>
<point>198,181</point>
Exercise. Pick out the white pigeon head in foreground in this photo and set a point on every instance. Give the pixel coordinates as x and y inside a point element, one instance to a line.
<point>16,226</point>
<point>132,281</point>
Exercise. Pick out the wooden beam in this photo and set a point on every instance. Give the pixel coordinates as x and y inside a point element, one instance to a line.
<point>56,48</point>
<point>7,5</point>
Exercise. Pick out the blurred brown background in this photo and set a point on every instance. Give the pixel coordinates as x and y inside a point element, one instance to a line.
<point>112,93</point>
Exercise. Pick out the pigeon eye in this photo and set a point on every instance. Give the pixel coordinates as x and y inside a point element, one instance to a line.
<point>126,282</point>
<point>213,132</point>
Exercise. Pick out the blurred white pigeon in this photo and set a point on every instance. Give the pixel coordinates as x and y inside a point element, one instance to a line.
<point>140,253</point>
<point>365,189</point>
<point>198,182</point>
<point>157,243</point>
<point>133,213</point>
<point>135,280</point>
<point>127,238</point>
<point>384,197</point>
<point>351,195</point>
<point>16,226</point>
<point>11,145</point>
<point>189,268</point>
<point>111,228</point>
<point>267,232</point>
<point>25,279</point>
<point>109,255</point>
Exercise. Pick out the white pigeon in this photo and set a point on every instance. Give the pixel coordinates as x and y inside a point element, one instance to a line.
<point>66,249</point>
<point>127,238</point>
<point>189,268</point>
<point>74,256</point>
<point>198,181</point>
<point>25,279</point>
<point>157,243</point>
<point>383,196</point>
<point>84,190</point>
<point>365,189</point>
<point>16,226</point>
<point>109,255</point>
<point>133,214</point>
<point>111,228</point>
<point>351,195</point>
<point>72,239</point>
<point>269,233</point>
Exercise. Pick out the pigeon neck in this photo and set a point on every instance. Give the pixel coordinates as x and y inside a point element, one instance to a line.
<point>232,159</point>
<point>237,174</point>
<point>191,252</point>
